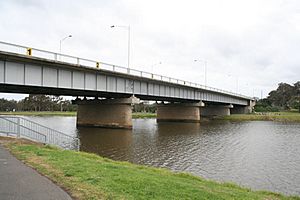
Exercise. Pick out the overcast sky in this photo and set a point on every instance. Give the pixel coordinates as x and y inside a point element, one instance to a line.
<point>249,45</point>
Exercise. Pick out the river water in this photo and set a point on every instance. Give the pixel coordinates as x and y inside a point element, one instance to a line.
<point>261,155</point>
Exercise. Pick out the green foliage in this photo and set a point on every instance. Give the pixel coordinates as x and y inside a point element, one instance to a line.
<point>37,103</point>
<point>259,108</point>
<point>285,97</point>
<point>144,108</point>
<point>269,116</point>
<point>6,105</point>
<point>88,176</point>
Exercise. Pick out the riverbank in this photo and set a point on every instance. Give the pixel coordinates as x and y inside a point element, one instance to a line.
<point>271,116</point>
<point>58,113</point>
<point>88,176</point>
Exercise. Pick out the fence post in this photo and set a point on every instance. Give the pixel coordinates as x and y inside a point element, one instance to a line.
<point>18,128</point>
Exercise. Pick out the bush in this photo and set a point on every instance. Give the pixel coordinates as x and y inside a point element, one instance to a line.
<point>259,108</point>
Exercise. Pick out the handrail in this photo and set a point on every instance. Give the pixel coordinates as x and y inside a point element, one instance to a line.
<point>40,125</point>
<point>24,128</point>
<point>79,61</point>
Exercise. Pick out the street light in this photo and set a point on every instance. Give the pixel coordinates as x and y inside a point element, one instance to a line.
<point>128,29</point>
<point>237,82</point>
<point>60,42</point>
<point>205,69</point>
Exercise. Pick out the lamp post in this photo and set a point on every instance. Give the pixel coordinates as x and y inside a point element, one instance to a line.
<point>205,69</point>
<point>60,42</point>
<point>237,82</point>
<point>128,45</point>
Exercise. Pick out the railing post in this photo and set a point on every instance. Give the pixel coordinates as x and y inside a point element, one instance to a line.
<point>19,128</point>
<point>78,144</point>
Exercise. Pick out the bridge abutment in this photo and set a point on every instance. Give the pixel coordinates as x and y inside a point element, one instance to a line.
<point>238,109</point>
<point>179,112</point>
<point>216,110</point>
<point>241,110</point>
<point>108,113</point>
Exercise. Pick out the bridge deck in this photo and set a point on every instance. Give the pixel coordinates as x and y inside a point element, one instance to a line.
<point>28,74</point>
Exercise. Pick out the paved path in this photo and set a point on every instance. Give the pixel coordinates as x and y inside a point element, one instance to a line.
<point>19,182</point>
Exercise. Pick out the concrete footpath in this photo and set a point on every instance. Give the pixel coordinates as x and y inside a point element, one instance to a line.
<point>19,182</point>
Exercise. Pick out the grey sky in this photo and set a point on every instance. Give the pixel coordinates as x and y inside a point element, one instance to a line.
<point>254,43</point>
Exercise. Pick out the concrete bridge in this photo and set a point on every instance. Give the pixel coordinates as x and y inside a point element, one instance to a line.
<point>113,88</point>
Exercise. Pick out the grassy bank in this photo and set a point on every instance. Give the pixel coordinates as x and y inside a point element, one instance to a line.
<point>272,116</point>
<point>143,115</point>
<point>88,176</point>
<point>40,113</point>
<point>57,113</point>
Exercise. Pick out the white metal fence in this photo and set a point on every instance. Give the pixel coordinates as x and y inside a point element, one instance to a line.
<point>24,128</point>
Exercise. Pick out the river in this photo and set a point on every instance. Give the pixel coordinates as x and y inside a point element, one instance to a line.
<point>261,155</point>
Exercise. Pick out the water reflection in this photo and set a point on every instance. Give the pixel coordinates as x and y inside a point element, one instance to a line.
<point>112,143</point>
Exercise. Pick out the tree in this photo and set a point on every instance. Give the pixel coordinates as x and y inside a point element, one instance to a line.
<point>282,95</point>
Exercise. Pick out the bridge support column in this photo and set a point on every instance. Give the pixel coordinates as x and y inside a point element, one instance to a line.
<point>179,112</point>
<point>108,113</point>
<point>215,110</point>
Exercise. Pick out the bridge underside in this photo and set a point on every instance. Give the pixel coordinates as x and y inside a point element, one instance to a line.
<point>8,88</point>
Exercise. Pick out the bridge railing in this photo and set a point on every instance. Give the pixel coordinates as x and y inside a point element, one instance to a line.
<point>58,57</point>
<point>24,128</point>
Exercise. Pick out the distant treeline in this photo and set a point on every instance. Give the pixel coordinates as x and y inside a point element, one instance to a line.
<point>55,103</point>
<point>37,103</point>
<point>285,97</point>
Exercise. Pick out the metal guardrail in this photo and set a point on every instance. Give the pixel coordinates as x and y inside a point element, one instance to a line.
<point>58,57</point>
<point>24,128</point>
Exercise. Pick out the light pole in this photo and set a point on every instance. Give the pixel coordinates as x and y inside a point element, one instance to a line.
<point>237,82</point>
<point>128,29</point>
<point>205,69</point>
<point>60,42</point>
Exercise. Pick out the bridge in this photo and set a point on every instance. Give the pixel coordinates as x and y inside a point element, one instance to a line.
<point>113,88</point>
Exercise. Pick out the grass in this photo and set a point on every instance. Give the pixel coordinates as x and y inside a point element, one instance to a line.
<point>40,113</point>
<point>88,176</point>
<point>58,113</point>
<point>143,115</point>
<point>272,116</point>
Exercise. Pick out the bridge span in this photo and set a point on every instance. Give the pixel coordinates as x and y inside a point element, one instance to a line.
<point>114,88</point>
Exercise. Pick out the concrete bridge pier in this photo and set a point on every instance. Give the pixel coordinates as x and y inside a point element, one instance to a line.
<point>108,113</point>
<point>216,110</point>
<point>179,112</point>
